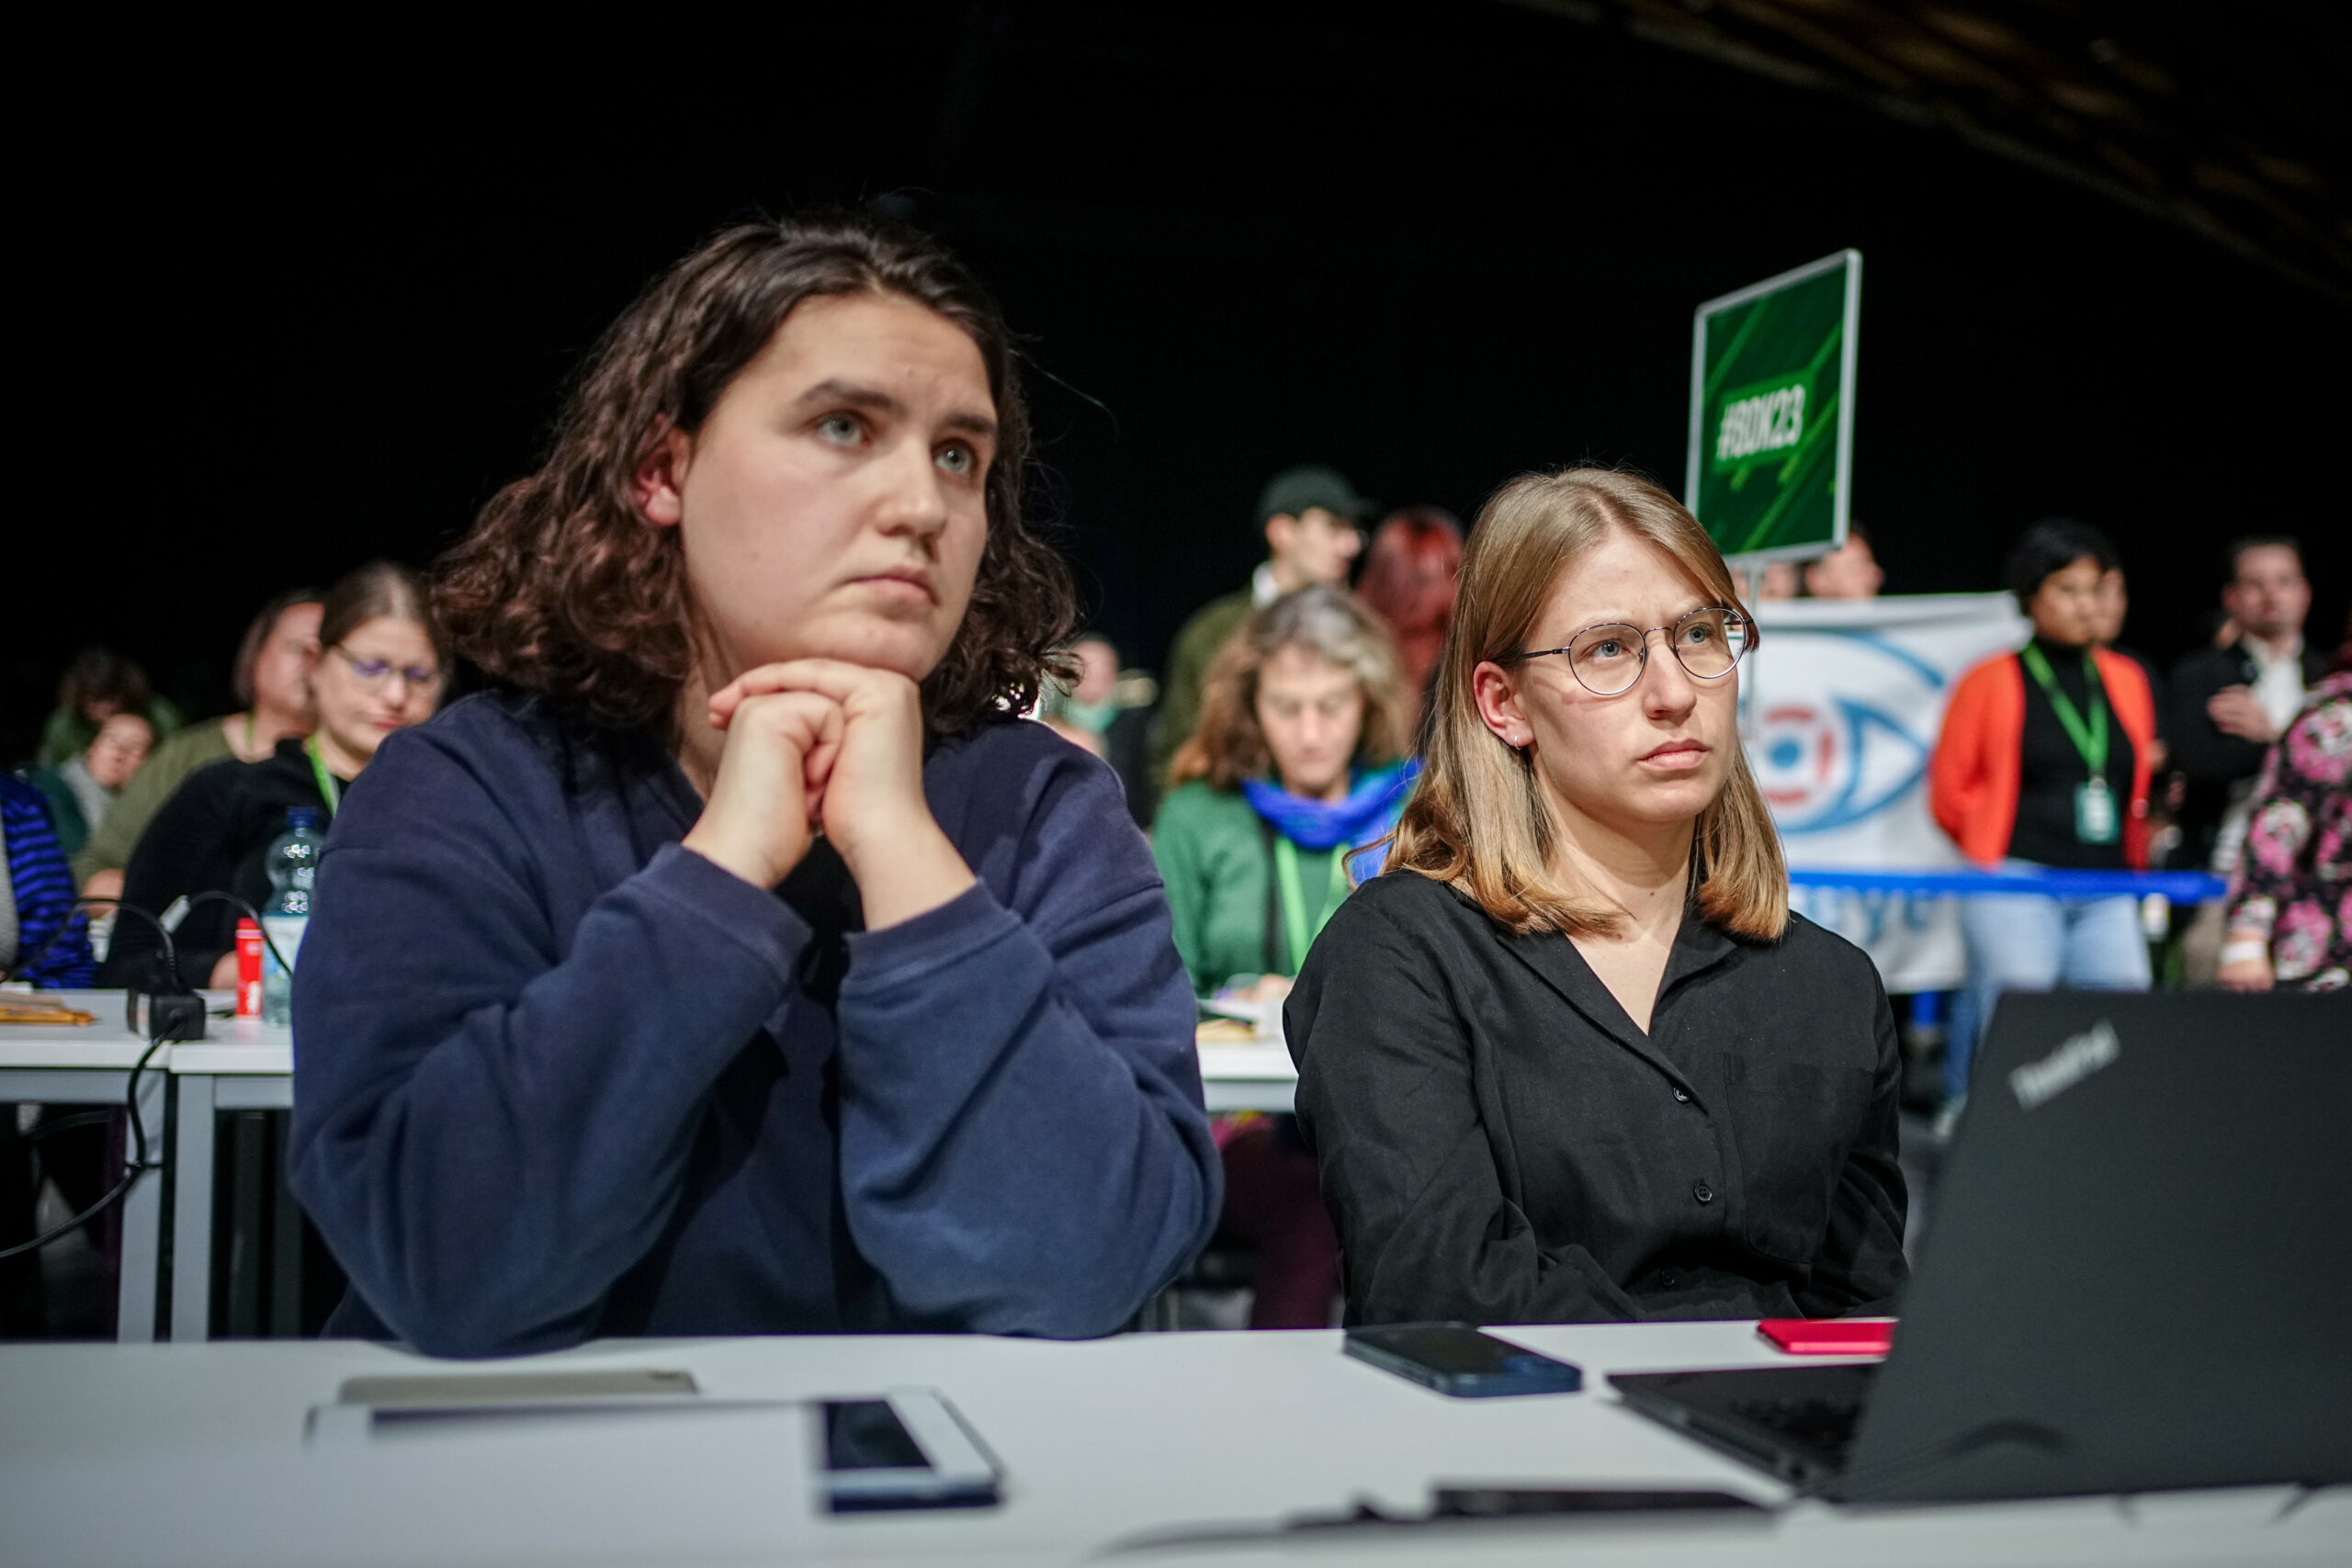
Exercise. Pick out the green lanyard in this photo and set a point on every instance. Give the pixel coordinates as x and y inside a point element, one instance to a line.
<point>1297,926</point>
<point>2090,739</point>
<point>329,790</point>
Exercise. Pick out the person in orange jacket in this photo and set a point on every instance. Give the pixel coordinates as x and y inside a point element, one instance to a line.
<point>2043,762</point>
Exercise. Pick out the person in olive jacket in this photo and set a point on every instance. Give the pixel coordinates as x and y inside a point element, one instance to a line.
<point>1571,1058</point>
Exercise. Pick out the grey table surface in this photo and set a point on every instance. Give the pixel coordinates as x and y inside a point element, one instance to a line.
<point>1165,1448</point>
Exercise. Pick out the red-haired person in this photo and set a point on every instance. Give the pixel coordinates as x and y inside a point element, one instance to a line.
<point>1571,1058</point>
<point>1410,571</point>
<point>1849,571</point>
<point>742,961</point>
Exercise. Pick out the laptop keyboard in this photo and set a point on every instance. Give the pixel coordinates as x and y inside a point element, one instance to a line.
<point>1826,1425</point>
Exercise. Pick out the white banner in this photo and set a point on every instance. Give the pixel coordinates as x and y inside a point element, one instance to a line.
<point>1840,705</point>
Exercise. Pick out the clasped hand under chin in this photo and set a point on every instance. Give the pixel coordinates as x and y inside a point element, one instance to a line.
<point>817,745</point>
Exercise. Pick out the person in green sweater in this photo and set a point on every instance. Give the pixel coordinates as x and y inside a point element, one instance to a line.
<point>1312,518</point>
<point>272,679</point>
<point>98,684</point>
<point>1297,767</point>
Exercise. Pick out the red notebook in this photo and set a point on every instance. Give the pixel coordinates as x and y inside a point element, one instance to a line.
<point>1830,1336</point>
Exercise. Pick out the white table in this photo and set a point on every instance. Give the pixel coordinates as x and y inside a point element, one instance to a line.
<point>241,1064</point>
<point>1253,1077</point>
<point>90,1064</point>
<point>193,1454</point>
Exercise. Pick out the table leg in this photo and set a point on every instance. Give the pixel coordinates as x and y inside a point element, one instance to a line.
<point>192,1158</point>
<point>137,1299</point>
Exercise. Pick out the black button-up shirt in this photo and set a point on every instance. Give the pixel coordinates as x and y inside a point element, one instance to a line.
<point>1499,1143</point>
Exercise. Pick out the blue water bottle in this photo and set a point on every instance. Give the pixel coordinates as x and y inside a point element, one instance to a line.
<point>293,865</point>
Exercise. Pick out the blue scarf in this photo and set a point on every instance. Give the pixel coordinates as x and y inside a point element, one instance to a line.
<point>1373,803</point>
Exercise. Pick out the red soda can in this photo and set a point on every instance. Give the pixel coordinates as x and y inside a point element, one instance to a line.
<point>248,969</point>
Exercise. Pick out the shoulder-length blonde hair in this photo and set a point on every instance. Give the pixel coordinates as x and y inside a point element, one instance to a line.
<point>1477,821</point>
<point>1329,623</point>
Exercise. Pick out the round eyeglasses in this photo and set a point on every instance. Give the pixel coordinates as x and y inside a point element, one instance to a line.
<point>1608,660</point>
<point>374,673</point>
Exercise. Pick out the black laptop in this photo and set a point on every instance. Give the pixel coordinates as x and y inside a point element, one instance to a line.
<point>2138,1274</point>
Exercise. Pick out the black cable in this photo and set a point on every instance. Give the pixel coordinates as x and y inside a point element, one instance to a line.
<point>134,1168</point>
<point>64,928</point>
<point>138,1164</point>
<point>163,934</point>
<point>217,896</point>
<point>170,953</point>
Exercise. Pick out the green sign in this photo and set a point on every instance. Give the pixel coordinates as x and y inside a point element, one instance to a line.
<point>1772,411</point>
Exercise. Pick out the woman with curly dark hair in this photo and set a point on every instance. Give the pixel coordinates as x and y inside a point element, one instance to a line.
<point>738,962</point>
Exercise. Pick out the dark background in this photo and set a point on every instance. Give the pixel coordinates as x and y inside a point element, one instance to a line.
<point>283,317</point>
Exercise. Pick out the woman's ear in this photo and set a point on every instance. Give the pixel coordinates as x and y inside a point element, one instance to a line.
<point>659,486</point>
<point>1496,696</point>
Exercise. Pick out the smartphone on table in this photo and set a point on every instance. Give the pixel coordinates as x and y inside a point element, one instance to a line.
<point>906,1450</point>
<point>1461,1361</point>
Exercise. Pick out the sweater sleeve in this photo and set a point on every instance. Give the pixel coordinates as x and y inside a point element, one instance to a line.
<point>1407,1166</point>
<point>1024,1149</point>
<point>492,1123</point>
<point>1956,771</point>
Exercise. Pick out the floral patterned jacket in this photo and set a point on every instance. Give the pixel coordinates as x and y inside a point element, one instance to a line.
<point>2293,883</point>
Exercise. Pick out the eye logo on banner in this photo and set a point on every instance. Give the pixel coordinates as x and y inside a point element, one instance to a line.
<point>1832,760</point>
<point>1840,711</point>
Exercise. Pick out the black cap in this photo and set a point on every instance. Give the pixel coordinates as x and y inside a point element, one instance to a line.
<point>1291,492</point>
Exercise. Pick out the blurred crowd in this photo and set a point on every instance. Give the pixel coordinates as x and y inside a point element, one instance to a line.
<point>128,807</point>
<point>2232,761</point>
<point>1271,756</point>
<point>1291,709</point>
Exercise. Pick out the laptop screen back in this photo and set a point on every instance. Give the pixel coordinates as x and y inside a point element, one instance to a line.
<point>2139,1270</point>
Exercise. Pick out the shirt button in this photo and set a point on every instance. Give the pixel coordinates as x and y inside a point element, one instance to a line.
<point>1682,1098</point>
<point>1705,1194</point>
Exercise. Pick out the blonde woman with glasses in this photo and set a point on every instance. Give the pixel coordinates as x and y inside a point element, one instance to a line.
<point>1571,1058</point>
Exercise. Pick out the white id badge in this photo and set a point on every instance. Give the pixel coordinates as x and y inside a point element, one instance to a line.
<point>2095,817</point>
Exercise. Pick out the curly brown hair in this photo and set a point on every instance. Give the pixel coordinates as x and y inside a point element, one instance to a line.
<point>1333,625</point>
<point>565,589</point>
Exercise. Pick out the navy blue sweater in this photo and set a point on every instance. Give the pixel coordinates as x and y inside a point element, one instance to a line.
<point>557,1077</point>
